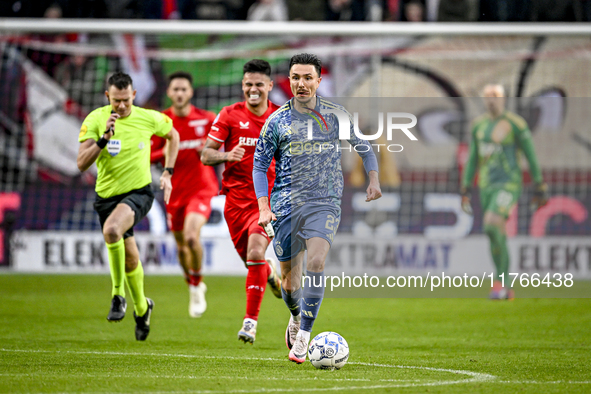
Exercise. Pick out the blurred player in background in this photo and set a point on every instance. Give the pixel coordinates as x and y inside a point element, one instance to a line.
<point>123,186</point>
<point>497,137</point>
<point>306,197</point>
<point>193,184</point>
<point>237,128</point>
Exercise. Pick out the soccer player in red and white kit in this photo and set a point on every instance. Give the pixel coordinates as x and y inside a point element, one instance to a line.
<point>237,127</point>
<point>193,184</point>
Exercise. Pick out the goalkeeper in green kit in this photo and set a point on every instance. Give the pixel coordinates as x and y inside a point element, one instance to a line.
<point>497,138</point>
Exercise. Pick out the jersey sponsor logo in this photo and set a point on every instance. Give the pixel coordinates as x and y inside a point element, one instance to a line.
<point>190,144</point>
<point>114,147</point>
<point>141,145</point>
<point>486,149</point>
<point>244,125</point>
<point>83,131</point>
<point>199,126</point>
<point>247,141</point>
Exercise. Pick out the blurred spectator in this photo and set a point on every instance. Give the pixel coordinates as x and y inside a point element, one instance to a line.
<point>83,8</point>
<point>306,10</point>
<point>504,10</point>
<point>48,60</point>
<point>556,11</point>
<point>457,11</point>
<point>129,9</point>
<point>268,10</point>
<point>54,11</point>
<point>170,9</point>
<point>586,10</point>
<point>211,9</point>
<point>391,9</point>
<point>83,82</point>
<point>414,11</point>
<point>431,9</point>
<point>345,10</point>
<point>15,8</point>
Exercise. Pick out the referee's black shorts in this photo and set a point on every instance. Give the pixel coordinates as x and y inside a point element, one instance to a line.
<point>139,200</point>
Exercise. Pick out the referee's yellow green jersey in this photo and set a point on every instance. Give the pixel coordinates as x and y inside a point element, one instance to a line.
<point>124,164</point>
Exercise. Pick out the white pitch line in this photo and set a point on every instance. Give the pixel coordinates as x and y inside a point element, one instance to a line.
<point>125,376</point>
<point>543,382</point>
<point>475,376</point>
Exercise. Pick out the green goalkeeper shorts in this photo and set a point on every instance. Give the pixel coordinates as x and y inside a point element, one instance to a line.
<point>499,200</point>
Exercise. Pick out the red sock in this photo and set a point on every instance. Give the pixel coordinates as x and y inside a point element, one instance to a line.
<point>256,283</point>
<point>194,278</point>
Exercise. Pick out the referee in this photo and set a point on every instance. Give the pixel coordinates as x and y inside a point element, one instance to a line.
<point>117,137</point>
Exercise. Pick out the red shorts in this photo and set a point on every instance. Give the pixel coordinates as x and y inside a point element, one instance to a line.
<point>243,221</point>
<point>175,215</point>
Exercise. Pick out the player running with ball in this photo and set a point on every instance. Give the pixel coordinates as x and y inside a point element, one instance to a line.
<point>306,198</point>
<point>237,127</point>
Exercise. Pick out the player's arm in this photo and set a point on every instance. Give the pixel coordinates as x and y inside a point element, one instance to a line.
<point>265,151</point>
<point>172,150</point>
<point>211,155</point>
<point>373,190</point>
<point>526,144</point>
<point>468,175</point>
<point>90,149</point>
<point>370,163</point>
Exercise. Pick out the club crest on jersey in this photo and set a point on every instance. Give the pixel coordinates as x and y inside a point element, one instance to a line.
<point>278,250</point>
<point>114,147</point>
<point>244,125</point>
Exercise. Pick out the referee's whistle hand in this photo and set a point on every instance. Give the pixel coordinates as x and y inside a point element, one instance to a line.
<point>110,130</point>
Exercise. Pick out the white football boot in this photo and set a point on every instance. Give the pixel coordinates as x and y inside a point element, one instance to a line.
<point>248,331</point>
<point>197,303</point>
<point>299,351</point>
<point>292,330</point>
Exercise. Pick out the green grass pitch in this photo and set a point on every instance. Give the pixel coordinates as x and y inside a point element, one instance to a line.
<point>54,338</point>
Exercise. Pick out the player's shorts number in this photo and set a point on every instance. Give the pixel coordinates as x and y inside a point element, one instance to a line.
<point>332,224</point>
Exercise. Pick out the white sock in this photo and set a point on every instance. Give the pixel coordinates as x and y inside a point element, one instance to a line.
<point>297,318</point>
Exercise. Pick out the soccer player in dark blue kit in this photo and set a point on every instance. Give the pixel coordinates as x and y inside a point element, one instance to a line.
<point>306,197</point>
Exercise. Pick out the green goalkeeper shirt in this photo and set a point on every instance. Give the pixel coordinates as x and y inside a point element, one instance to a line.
<point>124,165</point>
<point>495,148</point>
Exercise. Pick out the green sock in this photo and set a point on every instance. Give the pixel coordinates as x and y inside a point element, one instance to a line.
<point>135,282</point>
<point>116,252</point>
<point>499,250</point>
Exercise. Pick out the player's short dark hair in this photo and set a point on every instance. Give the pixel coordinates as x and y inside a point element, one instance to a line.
<point>180,74</point>
<point>306,58</point>
<point>120,80</point>
<point>257,66</point>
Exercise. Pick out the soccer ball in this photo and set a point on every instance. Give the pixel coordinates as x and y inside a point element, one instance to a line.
<point>328,350</point>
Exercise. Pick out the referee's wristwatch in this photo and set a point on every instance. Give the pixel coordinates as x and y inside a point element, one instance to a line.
<point>169,169</point>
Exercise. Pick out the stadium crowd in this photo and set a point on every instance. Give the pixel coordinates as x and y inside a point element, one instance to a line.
<point>310,10</point>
